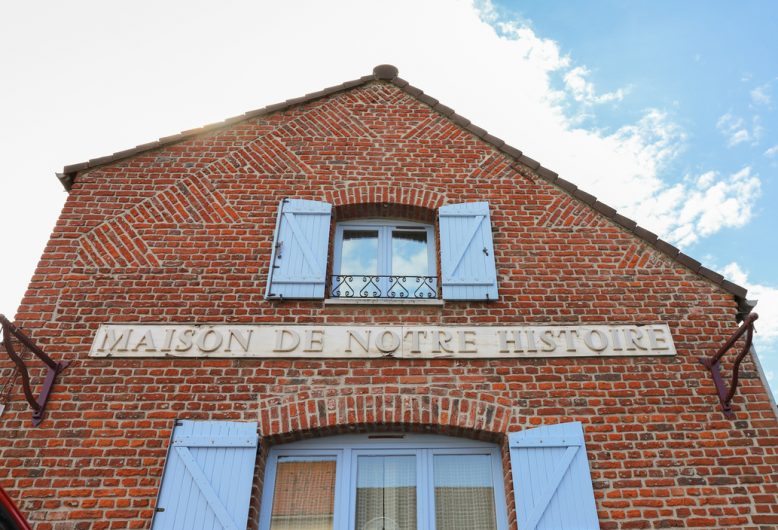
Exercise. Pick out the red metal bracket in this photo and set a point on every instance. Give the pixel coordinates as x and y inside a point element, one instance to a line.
<point>38,404</point>
<point>712,364</point>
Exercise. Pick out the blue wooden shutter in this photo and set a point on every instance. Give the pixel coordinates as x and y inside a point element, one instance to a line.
<point>551,479</point>
<point>467,252</point>
<point>208,476</point>
<point>298,265</point>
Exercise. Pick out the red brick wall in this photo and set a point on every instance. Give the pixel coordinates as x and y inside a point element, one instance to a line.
<point>184,233</point>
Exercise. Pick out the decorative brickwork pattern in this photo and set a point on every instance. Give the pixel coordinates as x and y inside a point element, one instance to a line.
<point>270,156</point>
<point>567,212</point>
<point>116,244</point>
<point>336,120</point>
<point>642,257</point>
<point>183,233</point>
<point>113,245</point>
<point>435,127</point>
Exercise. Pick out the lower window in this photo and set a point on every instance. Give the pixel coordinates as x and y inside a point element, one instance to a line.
<point>384,482</point>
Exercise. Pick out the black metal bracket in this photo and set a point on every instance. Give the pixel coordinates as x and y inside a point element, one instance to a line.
<point>713,363</point>
<point>54,368</point>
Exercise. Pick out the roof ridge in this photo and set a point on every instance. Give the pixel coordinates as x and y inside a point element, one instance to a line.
<point>389,73</point>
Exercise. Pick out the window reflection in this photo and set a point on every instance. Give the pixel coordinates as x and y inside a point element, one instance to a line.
<point>409,253</point>
<point>360,258</point>
<point>304,496</point>
<point>360,252</point>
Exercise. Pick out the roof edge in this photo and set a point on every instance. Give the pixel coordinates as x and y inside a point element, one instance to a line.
<point>389,73</point>
<point>68,175</point>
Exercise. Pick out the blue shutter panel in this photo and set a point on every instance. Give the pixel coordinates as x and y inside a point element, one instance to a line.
<point>467,252</point>
<point>208,477</point>
<point>551,479</point>
<point>298,264</point>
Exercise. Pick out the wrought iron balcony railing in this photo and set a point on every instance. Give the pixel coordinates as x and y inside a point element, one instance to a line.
<point>383,286</point>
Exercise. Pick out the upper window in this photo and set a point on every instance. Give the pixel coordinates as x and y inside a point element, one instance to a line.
<point>384,259</point>
<point>384,482</point>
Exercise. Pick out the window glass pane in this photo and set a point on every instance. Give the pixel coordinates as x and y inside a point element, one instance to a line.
<point>304,496</point>
<point>464,493</point>
<point>410,264</point>
<point>358,265</point>
<point>360,252</point>
<point>409,253</point>
<point>386,493</point>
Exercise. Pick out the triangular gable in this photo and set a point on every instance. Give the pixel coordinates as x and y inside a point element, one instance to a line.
<point>388,73</point>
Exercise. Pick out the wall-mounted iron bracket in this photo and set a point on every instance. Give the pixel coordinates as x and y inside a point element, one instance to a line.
<point>54,368</point>
<point>713,365</point>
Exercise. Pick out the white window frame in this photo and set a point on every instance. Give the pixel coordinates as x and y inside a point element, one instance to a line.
<point>346,449</point>
<point>384,227</point>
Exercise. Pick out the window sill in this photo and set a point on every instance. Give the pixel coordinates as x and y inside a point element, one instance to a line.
<point>385,301</point>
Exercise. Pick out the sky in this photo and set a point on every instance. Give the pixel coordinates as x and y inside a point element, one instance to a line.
<point>665,110</point>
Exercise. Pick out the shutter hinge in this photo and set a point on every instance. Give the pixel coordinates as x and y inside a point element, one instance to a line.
<point>159,510</point>
<point>486,251</point>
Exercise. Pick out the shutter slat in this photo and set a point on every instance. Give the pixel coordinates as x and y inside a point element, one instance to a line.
<point>473,228</point>
<point>298,262</point>
<point>467,252</point>
<point>213,462</point>
<point>551,479</point>
<point>203,484</point>
<point>208,487</point>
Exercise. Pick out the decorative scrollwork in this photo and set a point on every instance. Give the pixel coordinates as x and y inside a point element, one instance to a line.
<point>383,286</point>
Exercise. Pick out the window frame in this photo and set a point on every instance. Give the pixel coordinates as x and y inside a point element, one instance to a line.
<point>347,448</point>
<point>385,227</point>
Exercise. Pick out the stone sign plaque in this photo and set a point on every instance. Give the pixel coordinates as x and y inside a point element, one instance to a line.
<point>405,342</point>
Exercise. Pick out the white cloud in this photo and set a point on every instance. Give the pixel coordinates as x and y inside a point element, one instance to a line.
<point>737,132</point>
<point>733,128</point>
<point>685,213</point>
<point>706,179</point>
<point>772,151</point>
<point>761,95</point>
<point>583,91</point>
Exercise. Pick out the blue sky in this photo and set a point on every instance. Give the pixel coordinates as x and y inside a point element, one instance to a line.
<point>663,109</point>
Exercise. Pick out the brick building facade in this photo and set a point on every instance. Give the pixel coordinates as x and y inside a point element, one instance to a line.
<point>186,231</point>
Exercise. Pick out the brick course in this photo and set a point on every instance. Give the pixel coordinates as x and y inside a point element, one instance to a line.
<point>184,234</point>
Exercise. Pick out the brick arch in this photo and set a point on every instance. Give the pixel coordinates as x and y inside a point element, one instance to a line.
<point>379,194</point>
<point>311,413</point>
<point>389,210</point>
